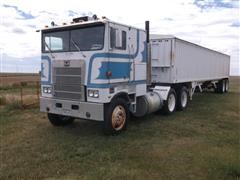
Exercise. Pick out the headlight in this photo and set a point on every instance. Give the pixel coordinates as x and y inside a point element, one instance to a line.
<point>47,90</point>
<point>93,93</point>
<point>44,89</point>
<point>96,93</point>
<point>90,93</point>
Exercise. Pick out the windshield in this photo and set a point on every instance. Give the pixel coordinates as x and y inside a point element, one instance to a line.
<point>84,39</point>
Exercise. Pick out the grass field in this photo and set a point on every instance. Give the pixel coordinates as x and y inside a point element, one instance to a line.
<point>202,142</point>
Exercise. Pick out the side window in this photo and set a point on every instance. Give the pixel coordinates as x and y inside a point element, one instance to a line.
<point>118,39</point>
<point>112,38</point>
<point>124,40</point>
<point>54,43</point>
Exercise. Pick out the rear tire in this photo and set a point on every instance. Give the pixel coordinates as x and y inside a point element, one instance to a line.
<point>221,86</point>
<point>182,98</point>
<point>116,116</point>
<point>170,104</point>
<point>59,120</point>
<point>226,85</point>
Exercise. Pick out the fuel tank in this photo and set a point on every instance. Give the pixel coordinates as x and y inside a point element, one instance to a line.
<point>151,102</point>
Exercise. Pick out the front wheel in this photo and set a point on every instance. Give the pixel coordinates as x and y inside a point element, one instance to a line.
<point>59,120</point>
<point>115,117</point>
<point>170,104</point>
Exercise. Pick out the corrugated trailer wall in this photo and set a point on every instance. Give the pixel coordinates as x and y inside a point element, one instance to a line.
<point>196,63</point>
<point>187,62</point>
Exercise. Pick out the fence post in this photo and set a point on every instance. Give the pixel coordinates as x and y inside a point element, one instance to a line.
<point>21,96</point>
<point>38,86</point>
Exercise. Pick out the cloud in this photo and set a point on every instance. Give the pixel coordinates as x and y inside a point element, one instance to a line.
<point>72,13</point>
<point>18,31</point>
<point>207,4</point>
<point>14,64</point>
<point>209,23</point>
<point>20,12</point>
<point>235,23</point>
<point>168,19</point>
<point>7,24</point>
<point>32,26</point>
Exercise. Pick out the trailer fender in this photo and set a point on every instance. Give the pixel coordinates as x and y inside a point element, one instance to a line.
<point>162,91</point>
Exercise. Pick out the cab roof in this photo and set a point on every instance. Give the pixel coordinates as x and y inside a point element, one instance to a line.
<point>74,24</point>
<point>80,23</point>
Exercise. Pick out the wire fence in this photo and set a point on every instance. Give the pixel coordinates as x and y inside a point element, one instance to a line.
<point>34,99</point>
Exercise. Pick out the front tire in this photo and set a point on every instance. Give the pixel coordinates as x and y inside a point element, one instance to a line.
<point>59,120</point>
<point>170,104</point>
<point>116,116</point>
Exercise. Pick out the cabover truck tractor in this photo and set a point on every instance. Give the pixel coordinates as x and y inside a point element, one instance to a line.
<point>97,69</point>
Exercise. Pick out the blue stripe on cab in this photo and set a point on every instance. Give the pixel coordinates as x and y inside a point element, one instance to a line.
<point>119,70</point>
<point>49,81</point>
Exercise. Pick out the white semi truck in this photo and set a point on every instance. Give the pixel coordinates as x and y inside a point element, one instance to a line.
<point>97,69</point>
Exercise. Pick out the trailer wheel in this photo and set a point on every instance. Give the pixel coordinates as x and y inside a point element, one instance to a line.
<point>221,86</point>
<point>226,85</point>
<point>115,117</point>
<point>216,89</point>
<point>170,104</point>
<point>59,120</point>
<point>182,98</point>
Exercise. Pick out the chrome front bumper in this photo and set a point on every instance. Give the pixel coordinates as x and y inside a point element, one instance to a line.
<point>83,110</point>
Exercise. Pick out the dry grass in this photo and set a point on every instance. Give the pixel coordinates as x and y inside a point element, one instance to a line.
<point>19,95</point>
<point>13,79</point>
<point>199,143</point>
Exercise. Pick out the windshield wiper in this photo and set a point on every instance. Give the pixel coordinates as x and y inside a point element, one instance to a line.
<point>49,49</point>
<point>77,47</point>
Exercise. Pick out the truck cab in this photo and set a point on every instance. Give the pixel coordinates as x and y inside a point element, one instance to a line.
<point>92,68</point>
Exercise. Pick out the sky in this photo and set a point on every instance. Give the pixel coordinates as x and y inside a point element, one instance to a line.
<point>211,23</point>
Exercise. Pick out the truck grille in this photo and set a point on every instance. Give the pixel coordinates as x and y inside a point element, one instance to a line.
<point>67,83</point>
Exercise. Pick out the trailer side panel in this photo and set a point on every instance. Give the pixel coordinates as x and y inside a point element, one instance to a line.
<point>195,63</point>
<point>177,61</point>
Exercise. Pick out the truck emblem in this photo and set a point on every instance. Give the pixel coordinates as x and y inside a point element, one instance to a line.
<point>66,63</point>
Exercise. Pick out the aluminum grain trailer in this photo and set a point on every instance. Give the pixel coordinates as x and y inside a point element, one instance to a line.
<point>184,66</point>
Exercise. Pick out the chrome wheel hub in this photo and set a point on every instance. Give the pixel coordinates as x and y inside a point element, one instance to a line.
<point>171,102</point>
<point>118,117</point>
